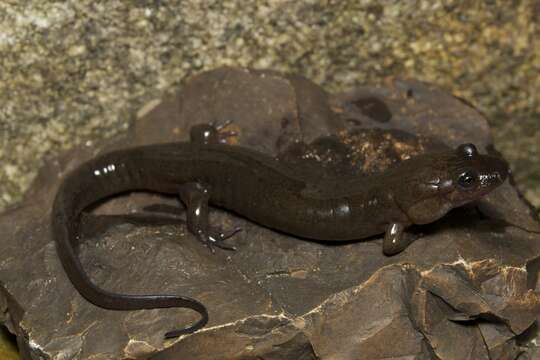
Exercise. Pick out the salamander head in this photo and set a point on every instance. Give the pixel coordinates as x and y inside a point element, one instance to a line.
<point>449,180</point>
<point>471,175</point>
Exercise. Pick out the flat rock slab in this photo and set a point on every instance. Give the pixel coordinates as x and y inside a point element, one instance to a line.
<point>466,281</point>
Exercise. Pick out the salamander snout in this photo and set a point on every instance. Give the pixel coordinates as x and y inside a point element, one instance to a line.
<point>476,174</point>
<point>496,174</point>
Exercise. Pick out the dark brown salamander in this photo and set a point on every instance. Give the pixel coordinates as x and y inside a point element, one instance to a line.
<point>271,193</point>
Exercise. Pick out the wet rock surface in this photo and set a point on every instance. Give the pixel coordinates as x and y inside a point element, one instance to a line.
<point>466,281</point>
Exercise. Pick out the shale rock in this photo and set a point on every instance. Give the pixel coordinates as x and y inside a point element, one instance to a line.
<point>461,291</point>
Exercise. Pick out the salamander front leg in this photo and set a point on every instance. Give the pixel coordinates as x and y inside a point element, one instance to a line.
<point>195,197</point>
<point>395,239</point>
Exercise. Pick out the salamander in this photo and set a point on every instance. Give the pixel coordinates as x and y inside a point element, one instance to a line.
<point>271,193</point>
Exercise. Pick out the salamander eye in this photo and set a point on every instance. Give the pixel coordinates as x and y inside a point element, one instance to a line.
<point>467,179</point>
<point>468,150</point>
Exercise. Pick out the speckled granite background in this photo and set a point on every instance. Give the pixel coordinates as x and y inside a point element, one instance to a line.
<point>76,70</point>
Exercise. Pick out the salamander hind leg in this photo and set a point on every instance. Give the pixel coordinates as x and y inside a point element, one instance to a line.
<point>195,197</point>
<point>396,239</point>
<point>211,133</point>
